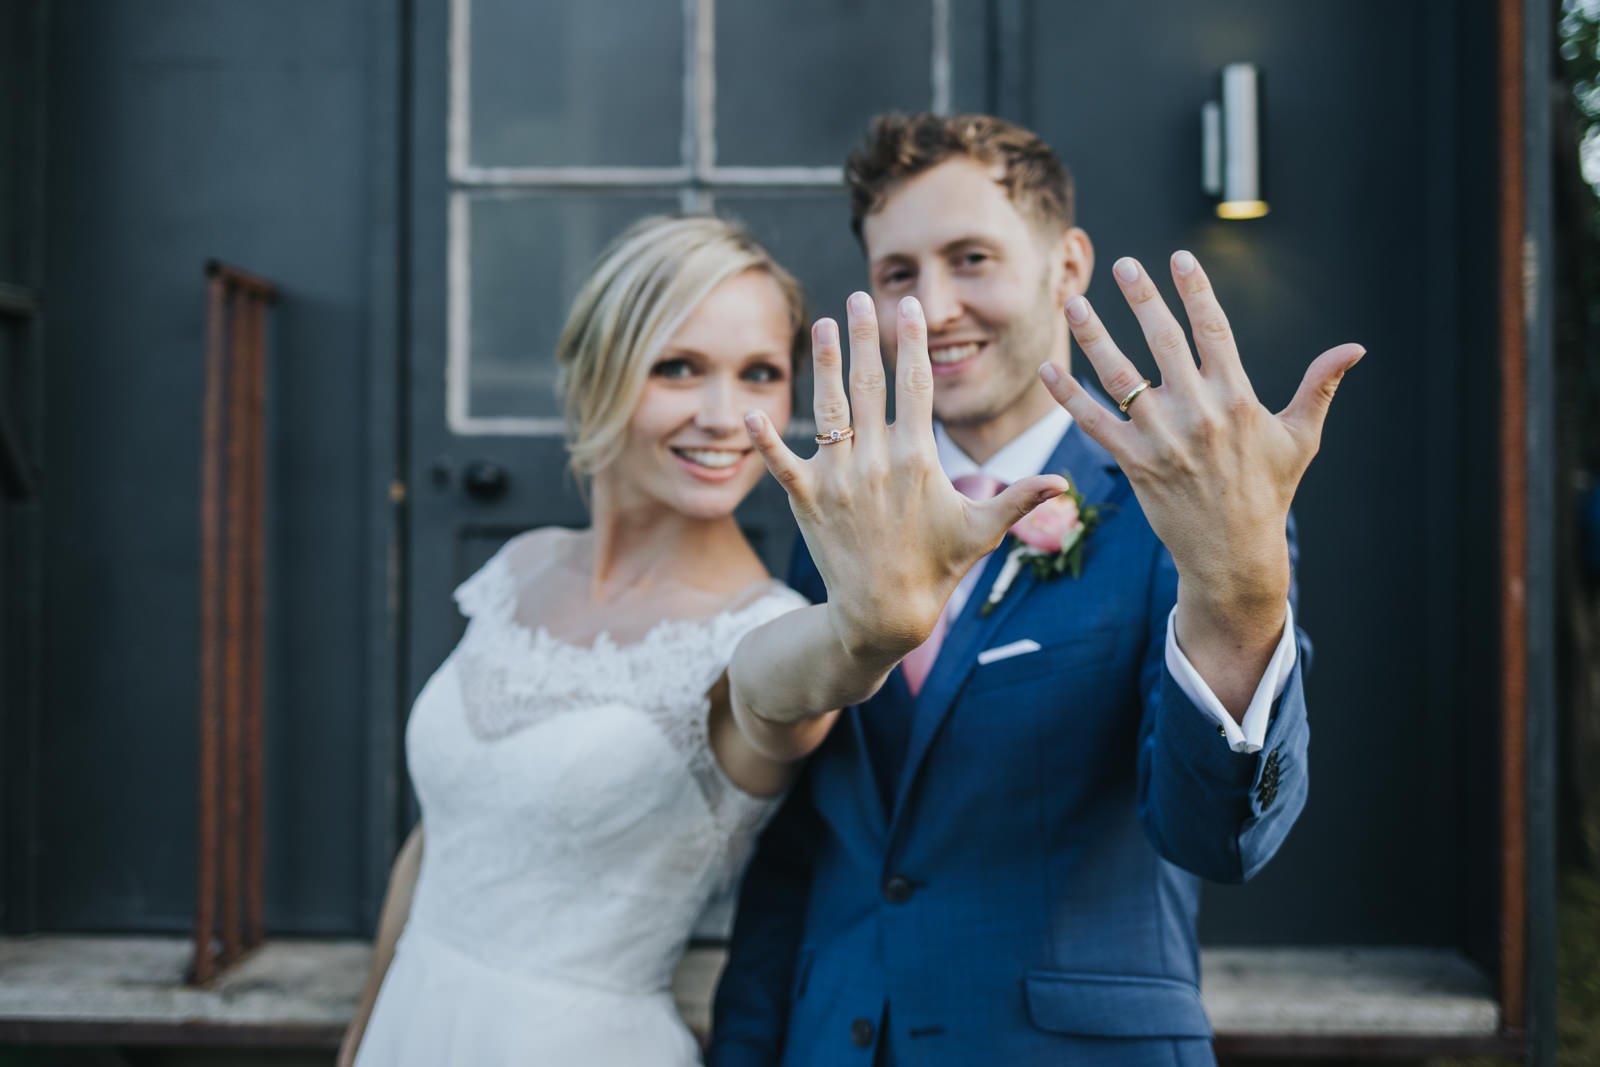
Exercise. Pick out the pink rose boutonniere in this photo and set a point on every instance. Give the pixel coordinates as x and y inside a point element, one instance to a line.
<point>1050,540</point>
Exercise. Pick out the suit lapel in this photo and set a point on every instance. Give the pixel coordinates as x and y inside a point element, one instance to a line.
<point>1094,472</point>
<point>895,699</point>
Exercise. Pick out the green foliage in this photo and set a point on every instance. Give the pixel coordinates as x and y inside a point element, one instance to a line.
<point>1578,35</point>
<point>1578,45</point>
<point>1580,55</point>
<point>1577,223</point>
<point>1578,971</point>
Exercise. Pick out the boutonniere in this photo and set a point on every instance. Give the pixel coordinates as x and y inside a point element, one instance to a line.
<point>1048,539</point>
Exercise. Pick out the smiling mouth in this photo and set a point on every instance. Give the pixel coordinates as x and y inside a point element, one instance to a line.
<point>716,459</point>
<point>954,355</point>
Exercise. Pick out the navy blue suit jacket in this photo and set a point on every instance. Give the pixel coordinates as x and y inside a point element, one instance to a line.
<point>1029,894</point>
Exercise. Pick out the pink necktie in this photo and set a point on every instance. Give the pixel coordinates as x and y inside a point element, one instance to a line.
<point>919,661</point>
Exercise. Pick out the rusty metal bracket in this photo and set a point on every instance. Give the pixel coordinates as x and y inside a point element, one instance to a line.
<point>229,910</point>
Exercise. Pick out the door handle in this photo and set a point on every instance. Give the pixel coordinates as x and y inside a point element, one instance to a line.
<point>485,479</point>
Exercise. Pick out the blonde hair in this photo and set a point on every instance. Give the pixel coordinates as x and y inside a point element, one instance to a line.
<point>643,287</point>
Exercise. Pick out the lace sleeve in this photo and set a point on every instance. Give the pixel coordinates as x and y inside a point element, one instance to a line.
<point>491,591</point>
<point>740,815</point>
<point>774,600</point>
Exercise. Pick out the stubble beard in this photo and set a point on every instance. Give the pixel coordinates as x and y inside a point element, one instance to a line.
<point>1016,351</point>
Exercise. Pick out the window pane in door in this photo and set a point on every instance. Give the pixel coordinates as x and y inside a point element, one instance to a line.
<point>527,255</point>
<point>796,83</point>
<point>568,84</point>
<point>809,232</point>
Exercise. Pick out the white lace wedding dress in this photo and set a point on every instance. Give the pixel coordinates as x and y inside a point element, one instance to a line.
<point>576,824</point>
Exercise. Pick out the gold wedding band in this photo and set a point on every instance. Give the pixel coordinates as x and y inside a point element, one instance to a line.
<point>833,437</point>
<point>1128,400</point>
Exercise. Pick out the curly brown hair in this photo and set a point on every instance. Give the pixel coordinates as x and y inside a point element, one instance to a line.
<point>898,146</point>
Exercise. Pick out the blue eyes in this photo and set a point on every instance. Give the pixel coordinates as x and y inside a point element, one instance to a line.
<point>901,276</point>
<point>672,368</point>
<point>763,373</point>
<point>683,370</point>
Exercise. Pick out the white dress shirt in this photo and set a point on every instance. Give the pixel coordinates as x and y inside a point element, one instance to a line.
<point>1026,455</point>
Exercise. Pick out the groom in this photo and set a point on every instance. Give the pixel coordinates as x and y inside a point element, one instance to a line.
<point>996,859</point>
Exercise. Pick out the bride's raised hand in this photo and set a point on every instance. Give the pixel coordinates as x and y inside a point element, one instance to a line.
<point>890,535</point>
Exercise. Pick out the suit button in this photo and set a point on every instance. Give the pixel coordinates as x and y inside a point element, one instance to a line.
<point>861,1033</point>
<point>898,890</point>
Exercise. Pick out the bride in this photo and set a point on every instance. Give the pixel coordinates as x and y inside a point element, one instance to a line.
<point>592,770</point>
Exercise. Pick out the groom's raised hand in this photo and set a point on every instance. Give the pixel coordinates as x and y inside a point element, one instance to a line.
<point>890,535</point>
<point>1214,470</point>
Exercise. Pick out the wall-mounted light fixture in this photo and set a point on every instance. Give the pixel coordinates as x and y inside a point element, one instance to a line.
<point>1231,144</point>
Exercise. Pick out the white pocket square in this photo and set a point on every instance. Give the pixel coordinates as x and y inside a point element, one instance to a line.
<point>1015,648</point>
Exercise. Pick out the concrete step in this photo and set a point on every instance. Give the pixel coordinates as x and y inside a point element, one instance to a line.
<point>130,991</point>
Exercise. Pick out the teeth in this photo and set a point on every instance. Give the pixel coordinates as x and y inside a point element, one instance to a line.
<point>714,458</point>
<point>955,353</point>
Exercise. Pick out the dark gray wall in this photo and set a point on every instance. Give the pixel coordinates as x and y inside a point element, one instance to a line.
<point>1377,139</point>
<point>266,135</point>
<point>21,331</point>
<point>1471,387</point>
<point>181,131</point>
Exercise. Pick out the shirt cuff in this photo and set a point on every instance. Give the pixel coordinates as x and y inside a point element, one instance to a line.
<point>1251,734</point>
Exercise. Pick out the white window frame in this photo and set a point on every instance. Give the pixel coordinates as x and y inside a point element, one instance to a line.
<point>696,181</point>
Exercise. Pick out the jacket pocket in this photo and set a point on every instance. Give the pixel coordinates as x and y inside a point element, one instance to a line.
<point>1112,1005</point>
<point>1093,649</point>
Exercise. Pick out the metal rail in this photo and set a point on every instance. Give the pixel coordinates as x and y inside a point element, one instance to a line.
<point>1513,521</point>
<point>229,909</point>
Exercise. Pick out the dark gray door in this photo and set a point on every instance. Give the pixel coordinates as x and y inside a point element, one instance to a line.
<point>543,129</point>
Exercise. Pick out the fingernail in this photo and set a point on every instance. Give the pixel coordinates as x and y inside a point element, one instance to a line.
<point>1127,269</point>
<point>1182,262</point>
<point>752,421</point>
<point>860,303</point>
<point>825,332</point>
<point>1049,373</point>
<point>1078,310</point>
<point>1359,356</point>
<point>909,307</point>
